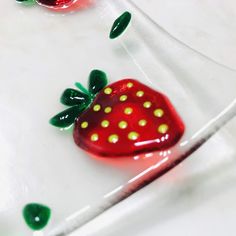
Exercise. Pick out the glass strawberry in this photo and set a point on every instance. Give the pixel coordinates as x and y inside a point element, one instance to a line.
<point>122,119</point>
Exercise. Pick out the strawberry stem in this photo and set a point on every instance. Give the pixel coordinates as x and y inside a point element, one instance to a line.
<point>82,88</point>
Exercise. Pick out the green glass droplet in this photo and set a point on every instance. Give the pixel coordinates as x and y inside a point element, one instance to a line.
<point>67,117</point>
<point>72,97</point>
<point>27,2</point>
<point>36,215</point>
<point>97,81</point>
<point>120,25</point>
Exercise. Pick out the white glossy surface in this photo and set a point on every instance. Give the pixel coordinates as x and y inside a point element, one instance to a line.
<point>50,40</point>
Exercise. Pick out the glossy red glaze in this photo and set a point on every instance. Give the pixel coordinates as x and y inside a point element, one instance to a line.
<point>146,138</point>
<point>54,3</point>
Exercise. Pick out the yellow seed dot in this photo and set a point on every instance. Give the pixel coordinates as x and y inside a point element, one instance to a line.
<point>94,137</point>
<point>128,110</point>
<point>163,128</point>
<point>158,113</point>
<point>133,135</point>
<point>142,122</point>
<point>123,124</point>
<point>123,98</point>
<point>114,138</point>
<point>130,85</point>
<point>107,109</point>
<point>147,104</point>
<point>105,123</point>
<point>107,90</point>
<point>84,125</point>
<point>97,107</point>
<point>139,93</point>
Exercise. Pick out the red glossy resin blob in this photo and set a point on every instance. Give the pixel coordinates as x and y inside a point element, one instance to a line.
<point>54,3</point>
<point>140,120</point>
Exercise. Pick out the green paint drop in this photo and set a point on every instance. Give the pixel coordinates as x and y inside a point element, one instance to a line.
<point>36,215</point>
<point>120,25</point>
<point>27,2</point>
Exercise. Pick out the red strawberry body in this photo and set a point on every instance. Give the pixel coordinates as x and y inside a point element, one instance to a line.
<point>54,3</point>
<point>127,118</point>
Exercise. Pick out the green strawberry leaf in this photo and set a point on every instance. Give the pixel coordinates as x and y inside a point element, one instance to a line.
<point>97,81</point>
<point>72,97</point>
<point>36,215</point>
<point>67,117</point>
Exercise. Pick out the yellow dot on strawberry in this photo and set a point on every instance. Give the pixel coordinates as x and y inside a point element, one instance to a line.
<point>123,98</point>
<point>130,85</point>
<point>158,113</point>
<point>97,107</point>
<point>94,137</point>
<point>114,138</point>
<point>105,123</point>
<point>133,135</point>
<point>140,93</point>
<point>142,122</point>
<point>147,104</point>
<point>107,110</point>
<point>107,90</point>
<point>163,128</point>
<point>123,124</point>
<point>84,125</point>
<point>128,110</point>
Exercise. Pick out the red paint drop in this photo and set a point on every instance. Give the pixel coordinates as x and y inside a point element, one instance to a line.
<point>55,3</point>
<point>66,5</point>
<point>160,132</point>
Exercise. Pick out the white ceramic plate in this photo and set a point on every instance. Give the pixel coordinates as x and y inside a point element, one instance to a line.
<point>42,53</point>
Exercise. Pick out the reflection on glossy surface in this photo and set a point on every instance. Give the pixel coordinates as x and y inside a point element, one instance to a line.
<point>157,163</point>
